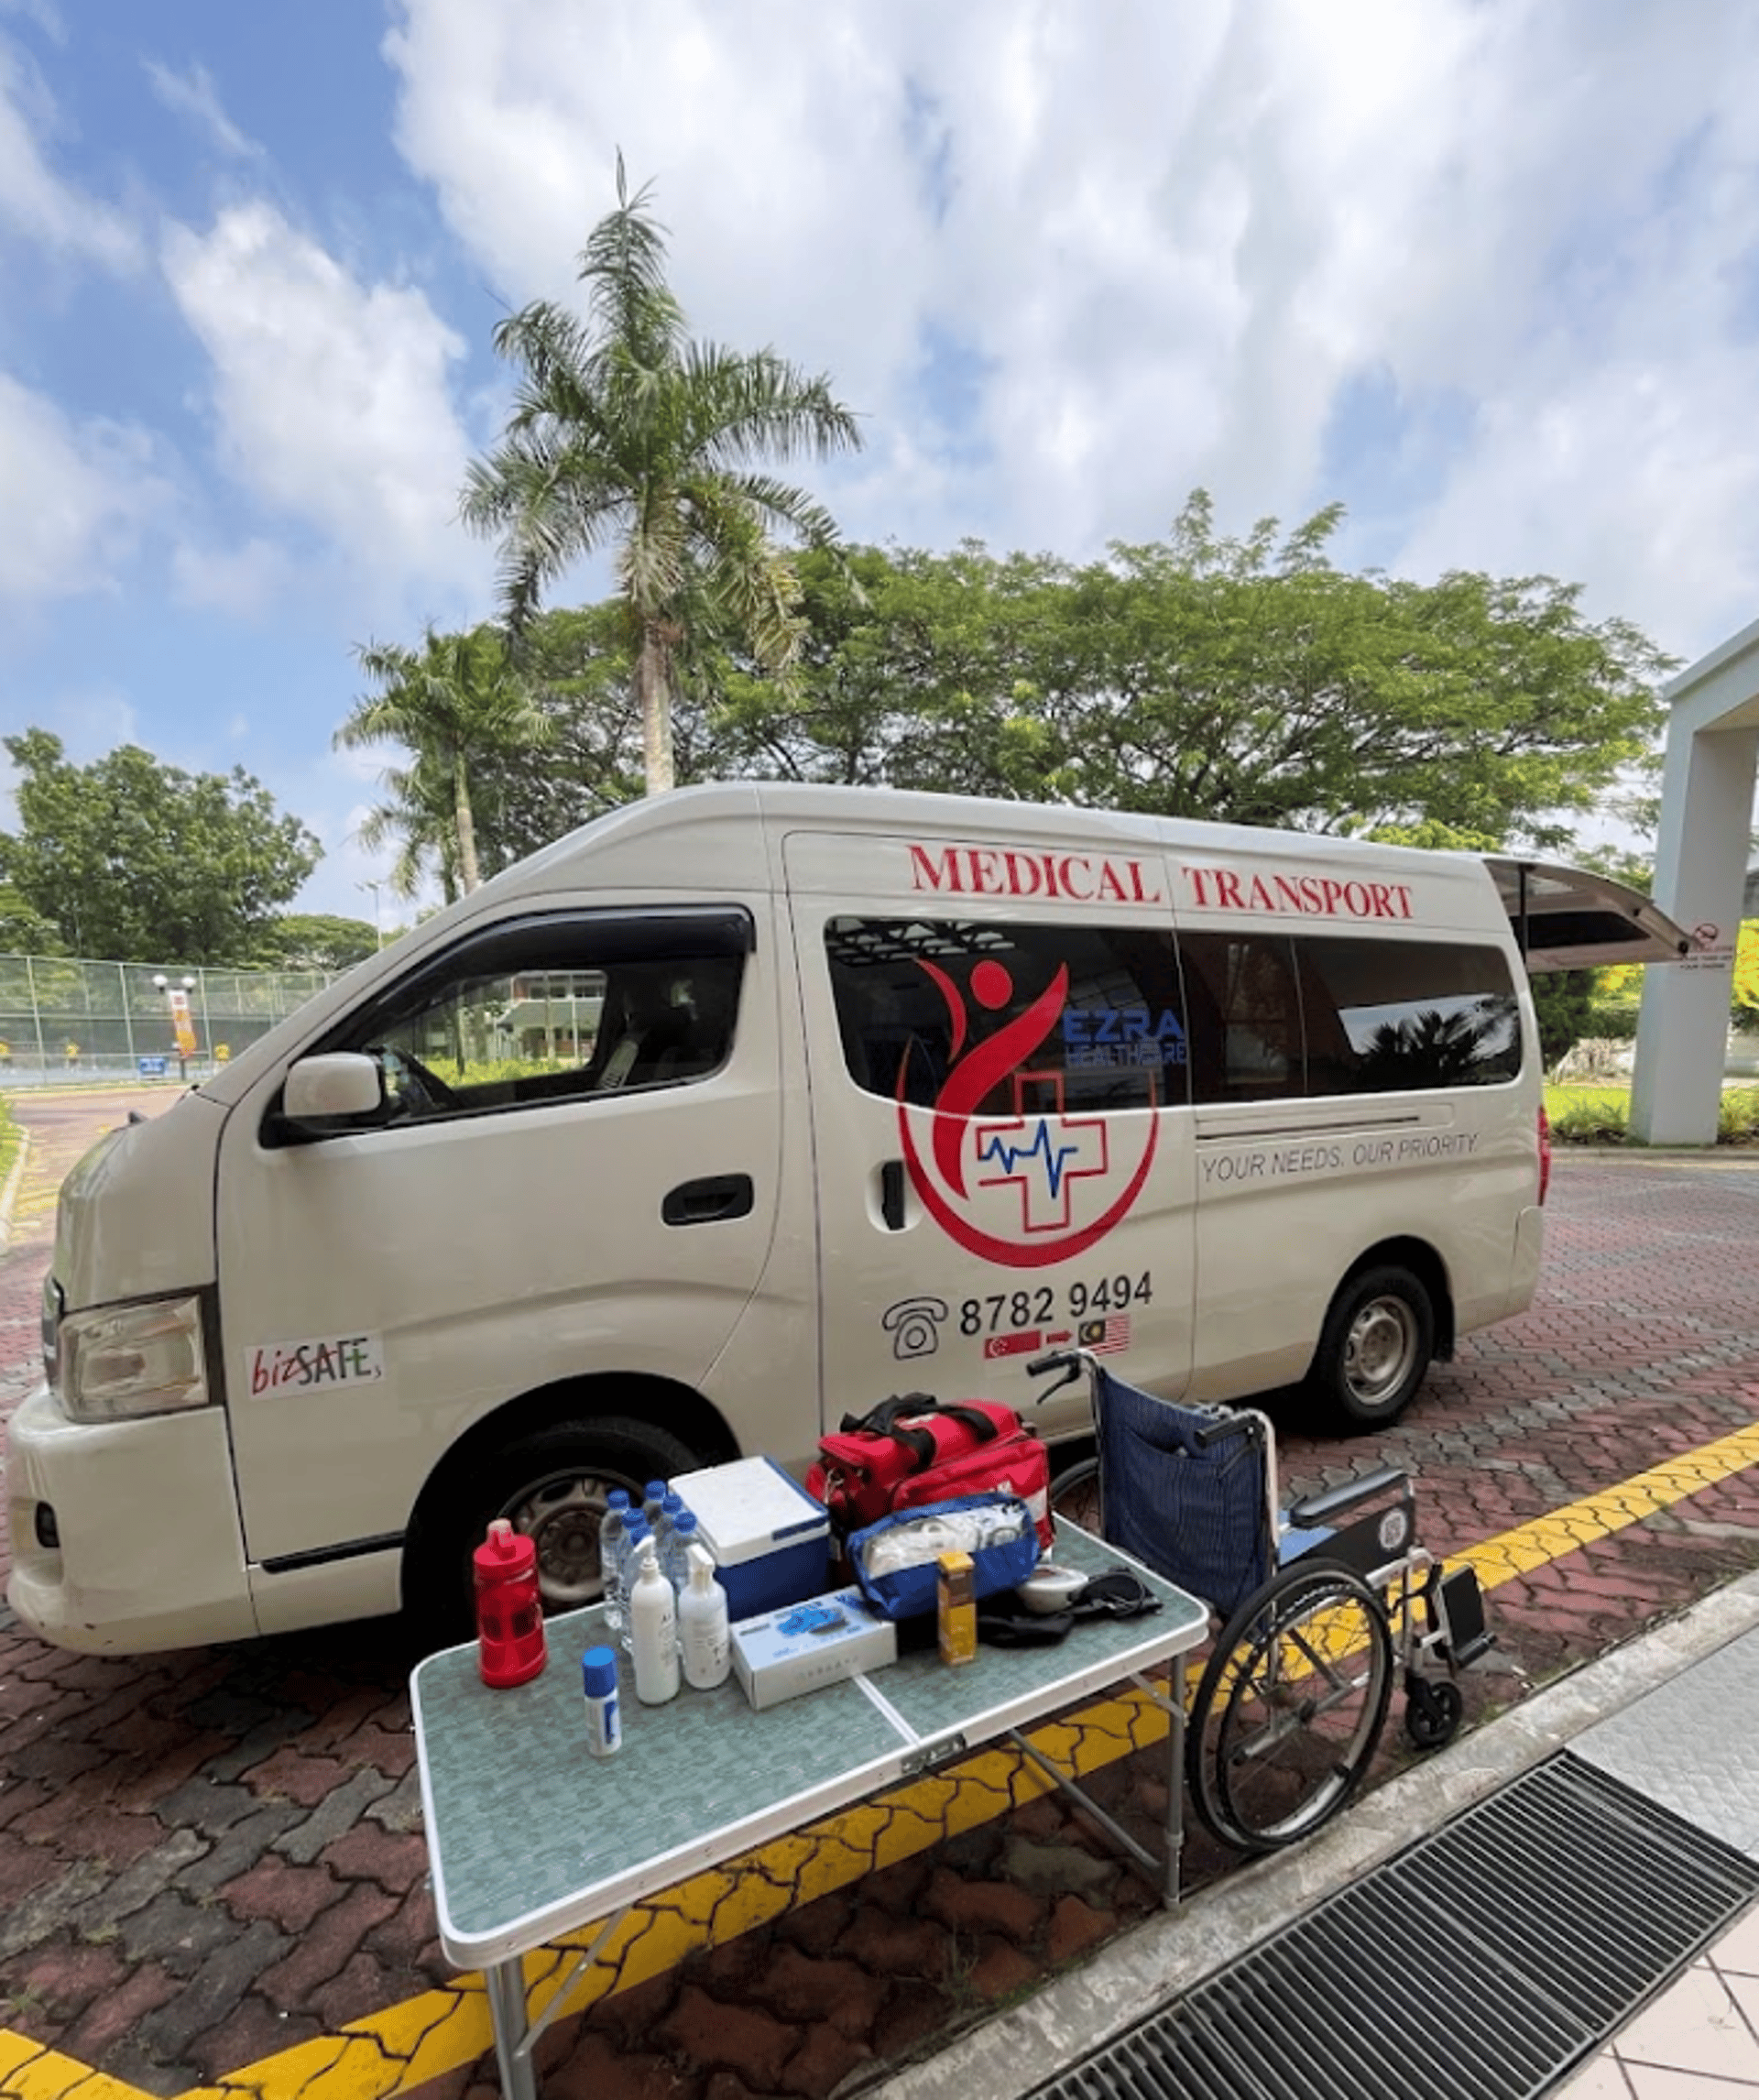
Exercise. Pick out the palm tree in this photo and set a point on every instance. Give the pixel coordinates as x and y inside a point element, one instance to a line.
<point>454,704</point>
<point>625,431</point>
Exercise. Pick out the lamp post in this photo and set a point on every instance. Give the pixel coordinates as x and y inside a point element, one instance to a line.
<point>379,927</point>
<point>176,996</point>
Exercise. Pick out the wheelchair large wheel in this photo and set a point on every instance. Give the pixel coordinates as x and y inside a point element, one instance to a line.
<point>1075,1495</point>
<point>1291,1707</point>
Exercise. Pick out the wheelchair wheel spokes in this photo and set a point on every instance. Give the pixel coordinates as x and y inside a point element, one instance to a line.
<point>1075,1496</point>
<point>1290,1709</point>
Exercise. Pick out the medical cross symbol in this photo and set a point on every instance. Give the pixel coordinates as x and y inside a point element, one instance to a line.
<point>1043,1154</point>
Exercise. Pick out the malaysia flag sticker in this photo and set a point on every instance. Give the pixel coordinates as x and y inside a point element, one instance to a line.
<point>1106,1337</point>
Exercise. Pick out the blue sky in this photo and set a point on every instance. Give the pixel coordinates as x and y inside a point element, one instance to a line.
<point>1489,274</point>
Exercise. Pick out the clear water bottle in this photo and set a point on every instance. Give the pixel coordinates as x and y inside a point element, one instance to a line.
<point>652,1503</point>
<point>627,1565</point>
<point>612,1535</point>
<point>679,1541</point>
<point>672,1507</point>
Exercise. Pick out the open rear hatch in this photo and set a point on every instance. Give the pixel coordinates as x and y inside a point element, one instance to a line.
<point>1571,918</point>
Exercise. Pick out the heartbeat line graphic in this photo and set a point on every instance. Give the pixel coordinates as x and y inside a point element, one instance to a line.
<point>1055,1159</point>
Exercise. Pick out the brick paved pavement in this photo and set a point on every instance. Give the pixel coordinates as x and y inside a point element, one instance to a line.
<point>208,1858</point>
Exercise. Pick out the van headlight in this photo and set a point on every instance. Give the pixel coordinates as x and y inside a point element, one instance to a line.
<point>133,1360</point>
<point>51,1332</point>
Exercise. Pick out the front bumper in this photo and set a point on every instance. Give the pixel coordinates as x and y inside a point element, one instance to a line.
<point>149,1553</point>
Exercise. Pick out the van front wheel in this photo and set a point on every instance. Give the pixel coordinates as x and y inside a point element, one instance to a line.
<point>553,1485</point>
<point>1374,1349</point>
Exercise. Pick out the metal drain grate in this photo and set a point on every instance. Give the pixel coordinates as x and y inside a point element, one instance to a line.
<point>1478,1965</point>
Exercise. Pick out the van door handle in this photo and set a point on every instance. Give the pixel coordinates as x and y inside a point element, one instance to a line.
<point>702,1202</point>
<point>891,1195</point>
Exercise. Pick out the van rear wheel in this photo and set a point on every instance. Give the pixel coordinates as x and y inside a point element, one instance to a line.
<point>554,1485</point>
<point>1374,1348</point>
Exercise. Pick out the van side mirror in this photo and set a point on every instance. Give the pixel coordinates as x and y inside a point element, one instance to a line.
<point>342,1082</point>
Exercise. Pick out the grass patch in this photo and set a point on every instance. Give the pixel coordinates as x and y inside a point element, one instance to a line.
<point>1599,1113</point>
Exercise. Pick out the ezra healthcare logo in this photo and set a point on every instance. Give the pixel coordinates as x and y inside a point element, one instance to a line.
<point>1028,1189</point>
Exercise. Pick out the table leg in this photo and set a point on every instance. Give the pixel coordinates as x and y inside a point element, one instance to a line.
<point>1174,1784</point>
<point>506,2012</point>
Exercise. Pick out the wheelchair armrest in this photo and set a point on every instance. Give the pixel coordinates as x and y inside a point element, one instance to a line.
<point>1316,1510</point>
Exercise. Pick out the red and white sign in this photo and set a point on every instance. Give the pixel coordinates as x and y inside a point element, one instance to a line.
<point>1216,889</point>
<point>1030,872</point>
<point>1023,1190</point>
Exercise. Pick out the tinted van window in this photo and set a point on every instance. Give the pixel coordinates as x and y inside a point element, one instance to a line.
<point>1008,1020</point>
<point>1274,1017</point>
<point>1245,1013</point>
<point>1385,1017</point>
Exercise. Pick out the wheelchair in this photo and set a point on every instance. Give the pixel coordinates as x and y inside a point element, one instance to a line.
<point>1318,1606</point>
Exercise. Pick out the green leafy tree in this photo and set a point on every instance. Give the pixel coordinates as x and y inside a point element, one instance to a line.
<point>316,940</point>
<point>1565,1005</point>
<point>627,434</point>
<point>24,930</point>
<point>1244,680</point>
<point>136,860</point>
<point>460,705</point>
<point>1746,975</point>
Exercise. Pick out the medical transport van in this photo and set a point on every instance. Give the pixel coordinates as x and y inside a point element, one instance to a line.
<point>751,1104</point>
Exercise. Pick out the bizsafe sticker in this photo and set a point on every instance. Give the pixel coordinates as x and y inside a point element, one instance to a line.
<point>323,1360</point>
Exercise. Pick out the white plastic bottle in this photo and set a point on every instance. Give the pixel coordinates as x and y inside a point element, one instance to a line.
<point>653,1624</point>
<point>701,1622</point>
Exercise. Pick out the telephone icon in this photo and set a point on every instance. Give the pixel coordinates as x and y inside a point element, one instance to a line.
<point>914,1323</point>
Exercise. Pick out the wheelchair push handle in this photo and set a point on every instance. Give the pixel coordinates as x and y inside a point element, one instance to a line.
<point>1227,1426</point>
<point>1072,1363</point>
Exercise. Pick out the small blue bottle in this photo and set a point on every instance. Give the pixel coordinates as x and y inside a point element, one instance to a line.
<point>599,1685</point>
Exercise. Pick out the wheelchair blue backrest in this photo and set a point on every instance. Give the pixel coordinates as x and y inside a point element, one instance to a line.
<point>1196,1512</point>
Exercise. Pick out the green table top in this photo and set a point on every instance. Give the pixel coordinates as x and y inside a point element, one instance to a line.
<point>531,1836</point>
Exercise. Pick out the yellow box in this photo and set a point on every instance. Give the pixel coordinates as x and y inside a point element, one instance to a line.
<point>958,1602</point>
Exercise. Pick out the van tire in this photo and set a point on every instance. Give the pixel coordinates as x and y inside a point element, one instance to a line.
<point>1374,1349</point>
<point>553,1481</point>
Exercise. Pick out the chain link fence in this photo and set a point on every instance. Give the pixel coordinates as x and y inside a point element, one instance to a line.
<point>63,1021</point>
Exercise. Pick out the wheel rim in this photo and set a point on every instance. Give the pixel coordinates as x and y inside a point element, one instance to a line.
<point>1381,1350</point>
<point>1302,1701</point>
<point>561,1513</point>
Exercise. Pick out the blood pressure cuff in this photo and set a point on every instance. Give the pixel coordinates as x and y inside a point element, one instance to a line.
<point>1007,1622</point>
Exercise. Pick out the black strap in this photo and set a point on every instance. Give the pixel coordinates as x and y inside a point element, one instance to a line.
<point>882,1421</point>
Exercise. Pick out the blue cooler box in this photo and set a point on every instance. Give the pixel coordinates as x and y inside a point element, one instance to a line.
<point>771,1540</point>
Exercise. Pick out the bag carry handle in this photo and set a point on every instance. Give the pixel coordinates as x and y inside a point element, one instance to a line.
<point>882,1420</point>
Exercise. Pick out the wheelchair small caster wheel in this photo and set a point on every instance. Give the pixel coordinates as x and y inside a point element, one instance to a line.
<point>1432,1711</point>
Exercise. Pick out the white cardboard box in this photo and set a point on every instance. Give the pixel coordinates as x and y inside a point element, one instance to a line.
<point>779,1655</point>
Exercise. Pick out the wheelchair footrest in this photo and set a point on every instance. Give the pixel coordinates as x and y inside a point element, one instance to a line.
<point>1457,1607</point>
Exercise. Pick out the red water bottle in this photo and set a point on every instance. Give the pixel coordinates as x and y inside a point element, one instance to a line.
<point>510,1611</point>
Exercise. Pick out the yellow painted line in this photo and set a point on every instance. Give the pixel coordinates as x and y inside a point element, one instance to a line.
<point>1516,1553</point>
<point>392,2051</point>
<point>30,2071</point>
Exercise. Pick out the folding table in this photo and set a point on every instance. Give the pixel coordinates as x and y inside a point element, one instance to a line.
<point>531,1837</point>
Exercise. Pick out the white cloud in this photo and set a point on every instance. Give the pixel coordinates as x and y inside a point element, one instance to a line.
<point>1172,240</point>
<point>243,581</point>
<point>73,497</point>
<point>34,200</point>
<point>332,396</point>
<point>194,95</point>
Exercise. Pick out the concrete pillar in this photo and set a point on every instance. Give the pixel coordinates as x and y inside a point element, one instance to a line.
<point>1700,870</point>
